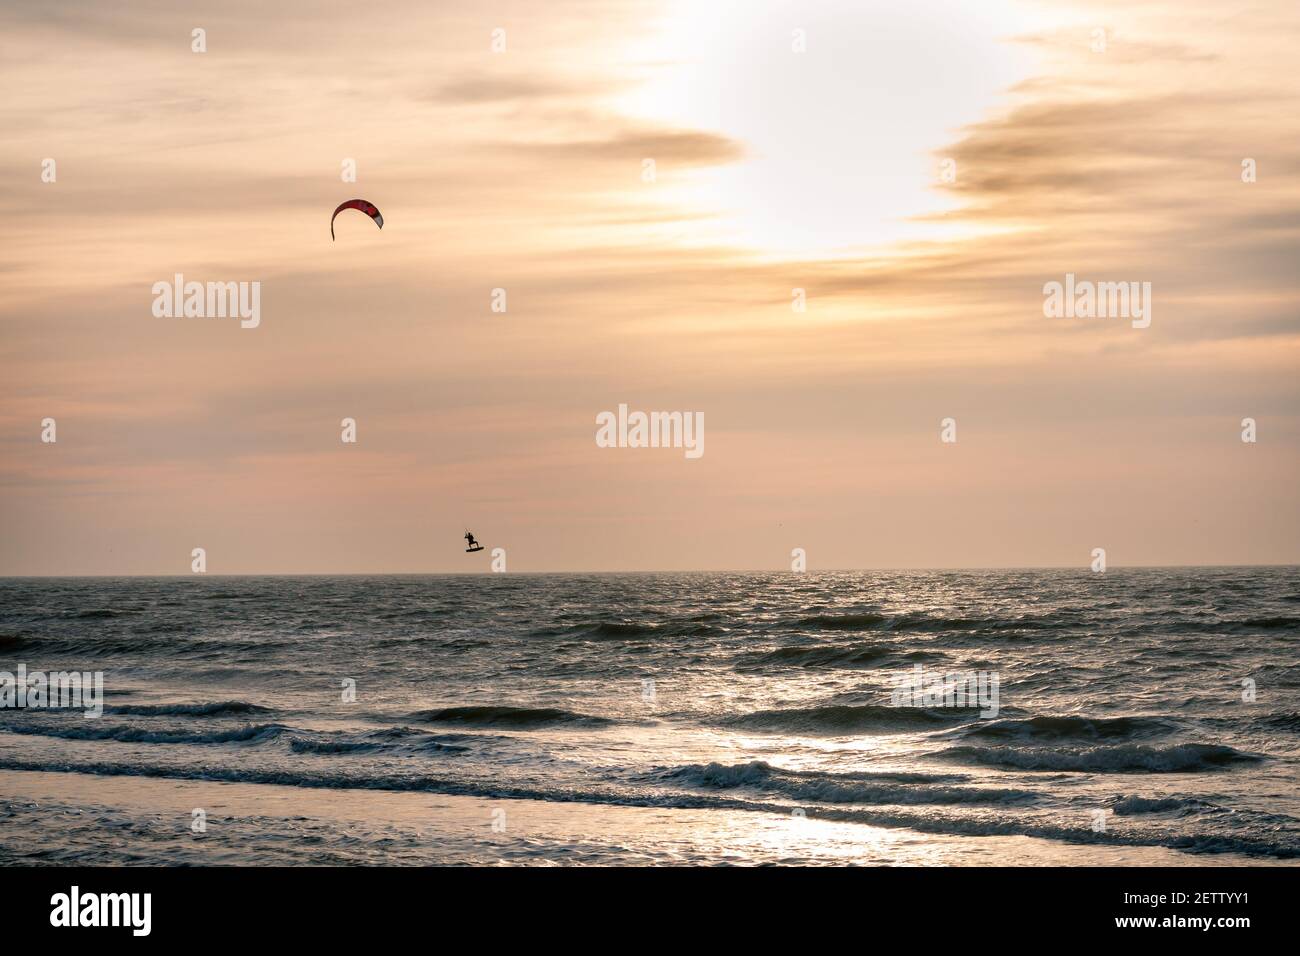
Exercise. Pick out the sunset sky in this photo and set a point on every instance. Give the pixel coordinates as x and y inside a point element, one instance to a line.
<point>523,170</point>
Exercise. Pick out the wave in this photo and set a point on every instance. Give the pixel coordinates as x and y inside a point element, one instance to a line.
<point>626,630</point>
<point>831,655</point>
<point>371,781</point>
<point>1127,758</point>
<point>1072,727</point>
<point>862,787</point>
<point>166,644</point>
<point>302,746</point>
<point>1270,843</point>
<point>843,622</point>
<point>1285,720</point>
<point>716,771</point>
<point>1183,806</point>
<point>143,735</point>
<point>846,718</point>
<point>216,709</point>
<point>1273,623</point>
<point>302,741</point>
<point>14,642</point>
<point>392,738</point>
<point>615,630</point>
<point>928,623</point>
<point>93,646</point>
<point>518,718</point>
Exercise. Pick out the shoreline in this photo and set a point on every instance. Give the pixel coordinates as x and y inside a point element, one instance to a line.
<point>62,818</point>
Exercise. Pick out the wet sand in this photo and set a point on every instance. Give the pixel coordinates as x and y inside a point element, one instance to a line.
<point>57,818</point>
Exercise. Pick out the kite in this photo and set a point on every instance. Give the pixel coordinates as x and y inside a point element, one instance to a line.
<point>369,208</point>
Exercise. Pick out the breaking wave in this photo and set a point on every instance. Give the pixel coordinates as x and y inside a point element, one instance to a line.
<point>870,788</point>
<point>216,709</point>
<point>1128,758</point>
<point>1073,727</point>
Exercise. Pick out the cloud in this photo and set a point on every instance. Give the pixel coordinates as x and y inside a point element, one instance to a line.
<point>669,146</point>
<point>486,88</point>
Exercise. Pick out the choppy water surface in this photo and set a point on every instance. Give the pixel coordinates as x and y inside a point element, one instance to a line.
<point>754,694</point>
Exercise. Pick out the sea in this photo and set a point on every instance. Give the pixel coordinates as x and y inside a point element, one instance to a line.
<point>1136,716</point>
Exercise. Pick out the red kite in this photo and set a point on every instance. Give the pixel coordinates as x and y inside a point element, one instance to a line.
<point>368,208</point>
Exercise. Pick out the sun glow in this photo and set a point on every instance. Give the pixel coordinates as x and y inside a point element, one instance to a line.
<point>771,75</point>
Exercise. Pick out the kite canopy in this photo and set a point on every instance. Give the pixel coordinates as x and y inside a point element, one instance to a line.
<point>369,208</point>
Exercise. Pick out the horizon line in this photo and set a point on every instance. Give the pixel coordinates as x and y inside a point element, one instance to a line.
<point>461,574</point>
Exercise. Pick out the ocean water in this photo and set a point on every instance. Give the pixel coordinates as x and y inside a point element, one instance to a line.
<point>1143,715</point>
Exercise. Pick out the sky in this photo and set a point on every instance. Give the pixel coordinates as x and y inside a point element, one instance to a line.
<point>648,182</point>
